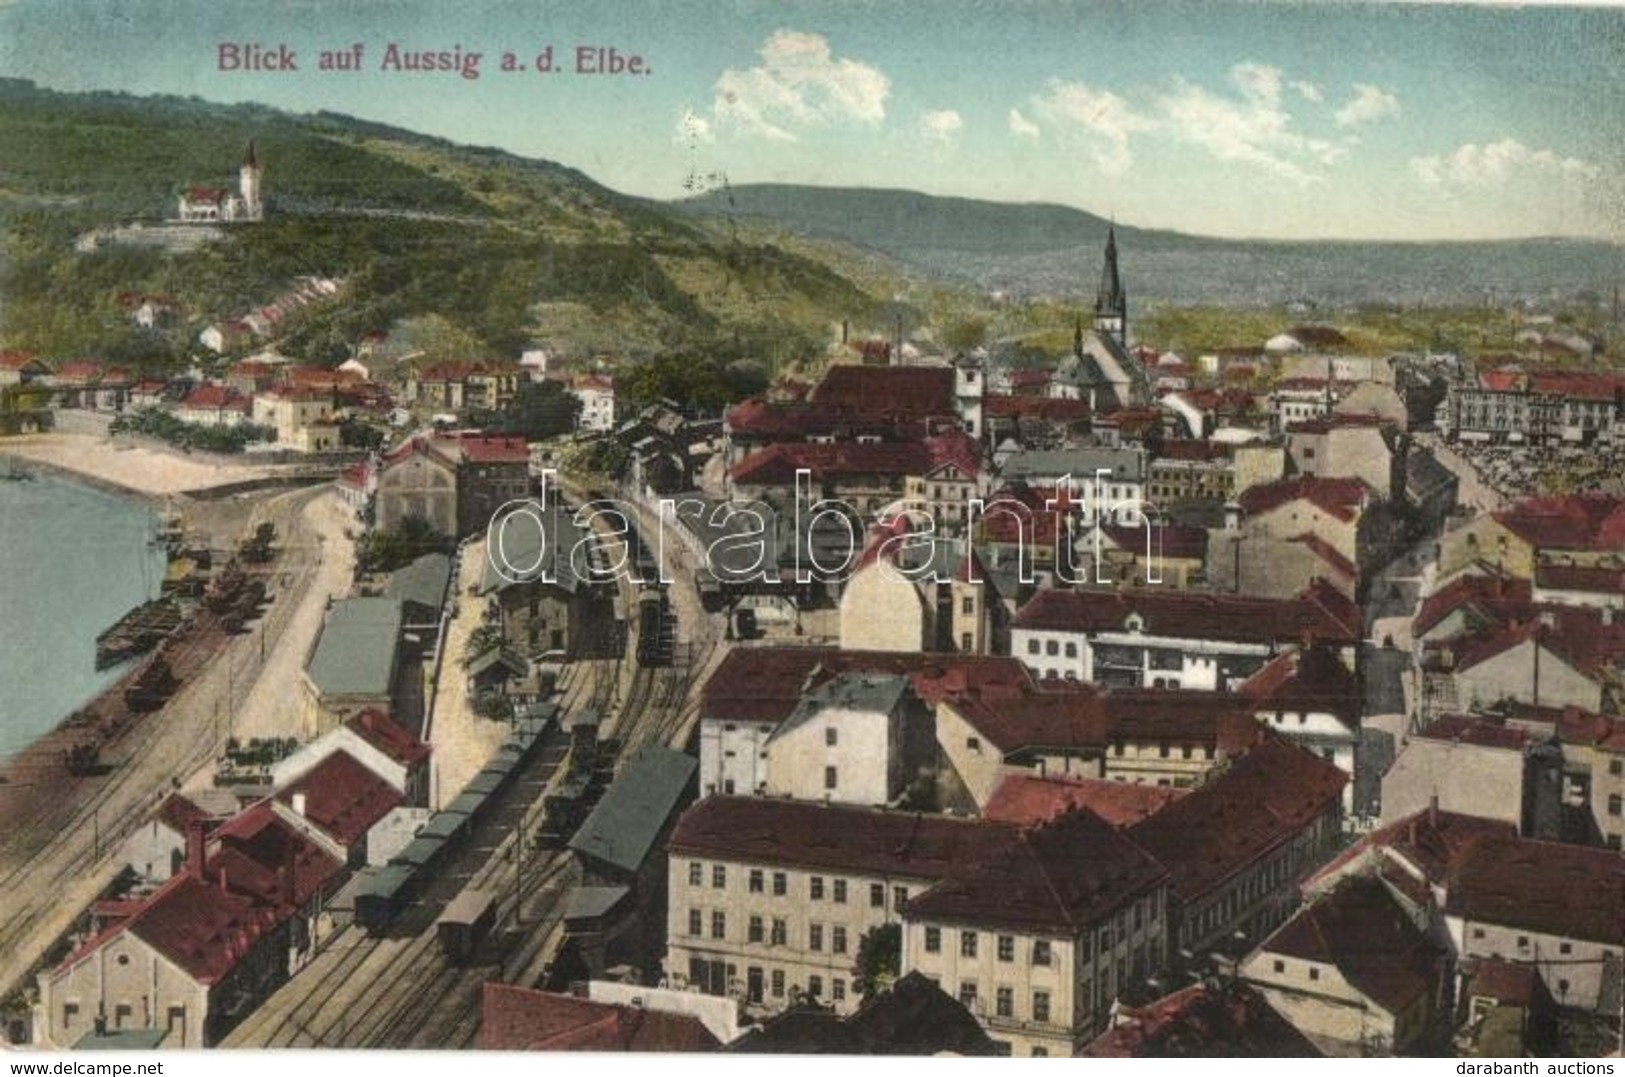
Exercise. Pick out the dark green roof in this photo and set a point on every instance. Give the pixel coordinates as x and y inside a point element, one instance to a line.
<point>356,653</point>
<point>635,808</point>
<point>522,549</point>
<point>423,582</point>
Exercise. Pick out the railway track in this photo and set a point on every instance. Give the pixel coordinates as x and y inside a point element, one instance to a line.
<point>65,845</point>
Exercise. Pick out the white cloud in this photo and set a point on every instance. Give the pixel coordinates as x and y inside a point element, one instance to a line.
<point>1105,119</point>
<point>1368,103</point>
<point>800,82</point>
<point>1309,91</point>
<point>941,126</point>
<point>1472,165</point>
<point>1250,127</point>
<point>693,129</point>
<point>1021,125</point>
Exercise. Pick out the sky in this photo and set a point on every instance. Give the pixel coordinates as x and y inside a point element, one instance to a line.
<point>1254,119</point>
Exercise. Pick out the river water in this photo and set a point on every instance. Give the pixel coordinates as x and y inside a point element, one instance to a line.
<point>73,560</point>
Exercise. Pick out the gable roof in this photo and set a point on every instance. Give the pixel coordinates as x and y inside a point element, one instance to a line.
<point>912,1017</point>
<point>342,798</point>
<point>1320,612</point>
<point>389,737</point>
<point>356,651</point>
<point>1569,891</point>
<point>904,391</point>
<point>514,1018</point>
<point>1063,875</point>
<point>626,822</point>
<point>1262,800</point>
<point>1027,800</point>
<point>1202,1021</point>
<point>1359,929</point>
<point>1342,498</point>
<point>760,830</point>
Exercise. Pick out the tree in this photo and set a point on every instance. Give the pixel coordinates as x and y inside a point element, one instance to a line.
<point>544,409</point>
<point>879,960</point>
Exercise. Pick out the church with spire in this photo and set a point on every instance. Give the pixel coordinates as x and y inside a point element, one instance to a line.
<point>220,205</point>
<point>1100,368</point>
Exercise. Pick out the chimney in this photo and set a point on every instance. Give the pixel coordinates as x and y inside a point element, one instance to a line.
<point>1433,810</point>
<point>195,848</point>
<point>224,885</point>
<point>299,804</point>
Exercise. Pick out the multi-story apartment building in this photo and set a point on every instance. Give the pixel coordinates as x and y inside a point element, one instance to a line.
<point>1237,848</point>
<point>770,899</point>
<point>1036,930</point>
<point>1163,638</point>
<point>1040,942</point>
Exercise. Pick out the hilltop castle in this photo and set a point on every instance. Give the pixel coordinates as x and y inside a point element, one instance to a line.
<point>217,204</point>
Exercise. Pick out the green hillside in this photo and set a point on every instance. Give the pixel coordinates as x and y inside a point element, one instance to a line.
<point>513,252</point>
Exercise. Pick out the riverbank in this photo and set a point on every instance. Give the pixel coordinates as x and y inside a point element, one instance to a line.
<point>129,467</point>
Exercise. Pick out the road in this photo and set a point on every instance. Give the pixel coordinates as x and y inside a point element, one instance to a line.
<point>53,864</point>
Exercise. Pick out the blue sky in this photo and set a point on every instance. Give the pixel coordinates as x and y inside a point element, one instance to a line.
<point>1248,119</point>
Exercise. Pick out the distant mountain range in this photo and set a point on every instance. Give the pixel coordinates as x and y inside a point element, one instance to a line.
<point>1040,249</point>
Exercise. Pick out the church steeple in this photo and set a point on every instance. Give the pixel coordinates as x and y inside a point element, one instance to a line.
<point>1077,339</point>
<point>1111,303</point>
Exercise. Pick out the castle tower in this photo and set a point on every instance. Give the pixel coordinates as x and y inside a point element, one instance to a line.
<point>1111,302</point>
<point>248,183</point>
<point>969,389</point>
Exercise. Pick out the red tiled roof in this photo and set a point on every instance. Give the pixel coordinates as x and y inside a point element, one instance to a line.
<point>1572,725</point>
<point>1320,612</point>
<point>760,830</point>
<point>389,737</point>
<point>514,1018</point>
<point>1476,731</point>
<point>1167,540</point>
<point>904,391</point>
<point>1342,498</point>
<point>217,397</point>
<point>1579,522</point>
<point>764,684</point>
<point>255,845</point>
<point>1202,1022</point>
<point>204,194</point>
<point>1025,800</point>
<point>1046,408</point>
<point>494,449</point>
<point>1570,891</point>
<point>1266,798</point>
<point>1508,982</point>
<point>1310,680</point>
<point>206,923</point>
<point>1490,597</point>
<point>777,465</point>
<point>178,813</point>
<point>1602,579</point>
<point>80,371</point>
<point>1359,930</point>
<point>1082,717</point>
<point>1065,874</point>
<point>1580,384</point>
<point>1192,449</point>
<point>956,448</point>
<point>13,359</point>
<point>342,798</point>
<point>1432,840</point>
